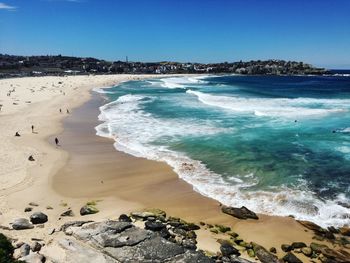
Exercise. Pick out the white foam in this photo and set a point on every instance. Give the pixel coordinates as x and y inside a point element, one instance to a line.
<point>102,90</point>
<point>272,107</point>
<point>346,130</point>
<point>135,132</point>
<point>181,82</point>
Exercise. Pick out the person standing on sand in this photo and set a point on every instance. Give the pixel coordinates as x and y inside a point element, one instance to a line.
<point>32,128</point>
<point>67,111</point>
<point>60,110</point>
<point>57,141</point>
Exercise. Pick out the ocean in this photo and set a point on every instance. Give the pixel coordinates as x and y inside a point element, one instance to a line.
<point>279,145</point>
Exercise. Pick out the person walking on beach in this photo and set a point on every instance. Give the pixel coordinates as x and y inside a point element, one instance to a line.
<point>32,128</point>
<point>67,111</point>
<point>60,110</point>
<point>57,141</point>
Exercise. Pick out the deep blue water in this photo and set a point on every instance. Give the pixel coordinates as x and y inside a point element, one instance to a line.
<point>279,145</point>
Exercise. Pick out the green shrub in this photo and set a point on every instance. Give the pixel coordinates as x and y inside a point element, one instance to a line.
<point>6,250</point>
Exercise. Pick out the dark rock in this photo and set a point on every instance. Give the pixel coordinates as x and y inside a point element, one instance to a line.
<point>241,213</point>
<point>291,258</point>
<point>329,235</point>
<point>88,210</point>
<point>38,218</point>
<point>227,250</point>
<point>191,234</point>
<point>263,255</point>
<point>124,218</point>
<point>317,229</point>
<point>33,204</point>
<point>333,230</point>
<point>189,244</point>
<point>164,233</point>
<point>193,256</point>
<point>345,231</point>
<point>317,247</point>
<point>28,209</point>
<point>154,226</point>
<point>338,256</point>
<point>36,246</point>
<point>286,247</point>
<point>21,224</point>
<point>296,245</point>
<point>68,213</point>
<point>273,250</point>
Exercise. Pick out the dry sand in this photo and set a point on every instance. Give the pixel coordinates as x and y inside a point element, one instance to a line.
<point>87,167</point>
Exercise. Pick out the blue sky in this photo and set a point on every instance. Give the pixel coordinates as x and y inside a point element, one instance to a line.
<point>313,31</point>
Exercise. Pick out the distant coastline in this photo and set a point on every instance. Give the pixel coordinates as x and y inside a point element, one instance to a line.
<point>23,66</point>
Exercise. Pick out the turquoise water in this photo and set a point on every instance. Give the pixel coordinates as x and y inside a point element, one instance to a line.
<point>278,145</point>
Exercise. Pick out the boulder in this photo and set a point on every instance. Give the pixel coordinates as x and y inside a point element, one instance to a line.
<point>227,250</point>
<point>193,256</point>
<point>38,218</point>
<point>36,246</point>
<point>317,248</point>
<point>23,251</point>
<point>317,229</point>
<point>21,224</point>
<point>33,258</point>
<point>310,225</point>
<point>273,250</point>
<point>88,210</point>
<point>189,244</point>
<point>333,230</point>
<point>286,247</point>
<point>73,224</point>
<point>152,249</point>
<point>307,251</point>
<point>68,213</point>
<point>296,245</point>
<point>124,218</point>
<point>154,226</point>
<point>179,223</point>
<point>116,241</point>
<point>291,258</point>
<point>241,213</point>
<point>263,255</point>
<point>141,215</point>
<point>338,256</point>
<point>345,231</point>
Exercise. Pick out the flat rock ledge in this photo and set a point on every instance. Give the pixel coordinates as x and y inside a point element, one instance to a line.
<point>119,241</point>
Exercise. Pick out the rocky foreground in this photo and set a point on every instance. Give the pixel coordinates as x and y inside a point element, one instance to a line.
<point>151,236</point>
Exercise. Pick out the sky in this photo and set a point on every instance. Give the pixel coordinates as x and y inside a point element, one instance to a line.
<point>313,31</point>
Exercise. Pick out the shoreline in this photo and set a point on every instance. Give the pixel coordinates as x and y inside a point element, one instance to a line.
<point>87,167</point>
<point>148,183</point>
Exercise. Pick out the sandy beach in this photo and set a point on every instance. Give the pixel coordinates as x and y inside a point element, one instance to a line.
<point>86,167</point>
